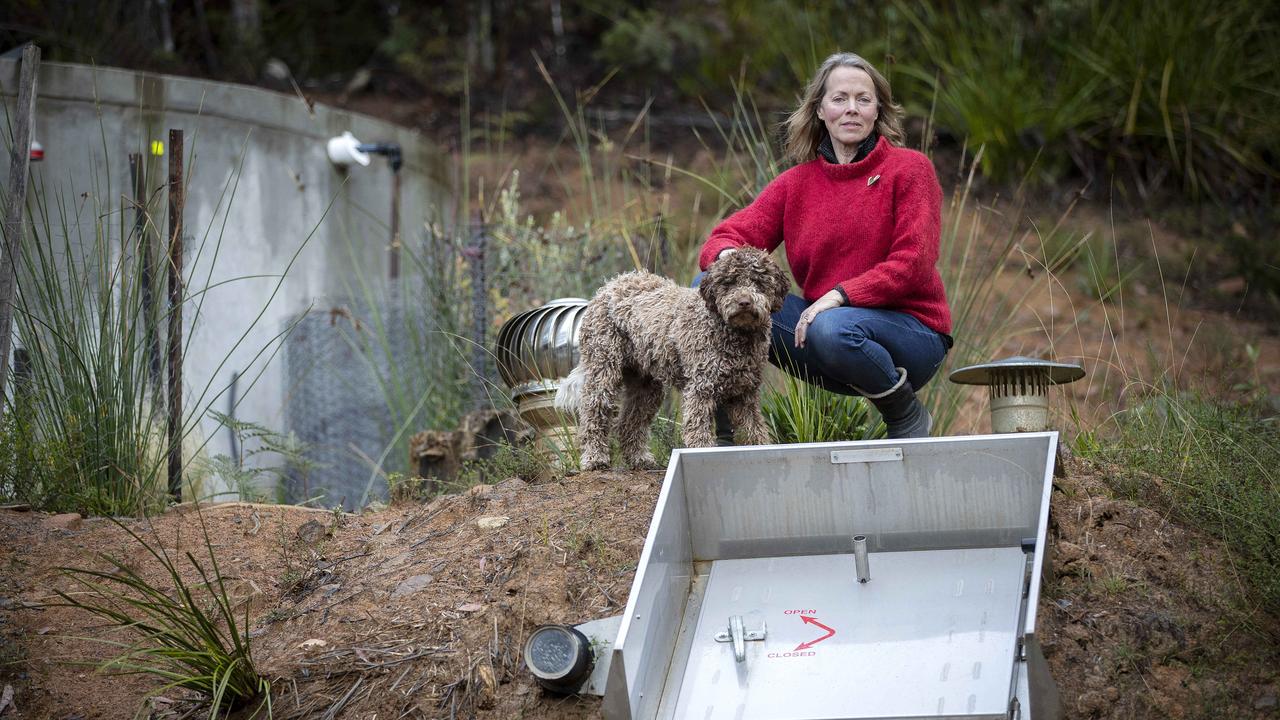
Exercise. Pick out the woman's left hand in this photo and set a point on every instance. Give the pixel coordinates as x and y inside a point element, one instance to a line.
<point>832,299</point>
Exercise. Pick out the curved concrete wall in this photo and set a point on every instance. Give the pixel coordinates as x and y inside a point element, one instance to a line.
<point>272,148</point>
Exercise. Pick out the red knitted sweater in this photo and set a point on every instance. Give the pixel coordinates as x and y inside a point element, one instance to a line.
<point>872,227</point>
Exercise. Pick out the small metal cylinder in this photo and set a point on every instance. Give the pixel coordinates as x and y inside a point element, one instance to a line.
<point>860,558</point>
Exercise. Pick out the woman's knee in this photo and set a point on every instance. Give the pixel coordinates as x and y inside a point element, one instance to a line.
<point>834,337</point>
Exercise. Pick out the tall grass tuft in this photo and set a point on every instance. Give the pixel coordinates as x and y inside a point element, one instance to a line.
<point>86,434</point>
<point>88,431</point>
<point>798,412</point>
<point>189,638</point>
<point>1214,466</point>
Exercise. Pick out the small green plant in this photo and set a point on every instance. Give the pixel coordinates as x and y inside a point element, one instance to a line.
<point>526,462</point>
<point>250,482</point>
<point>799,412</point>
<point>404,489</point>
<point>188,637</point>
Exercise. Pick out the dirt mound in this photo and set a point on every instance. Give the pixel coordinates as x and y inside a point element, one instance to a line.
<point>421,612</point>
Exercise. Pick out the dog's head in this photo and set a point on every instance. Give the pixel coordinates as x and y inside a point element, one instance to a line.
<point>744,288</point>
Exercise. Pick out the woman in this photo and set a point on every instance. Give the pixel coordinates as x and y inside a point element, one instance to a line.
<point>860,218</point>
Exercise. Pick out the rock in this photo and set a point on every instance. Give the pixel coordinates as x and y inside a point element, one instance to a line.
<point>1265,701</point>
<point>311,532</point>
<point>470,607</point>
<point>312,644</point>
<point>1065,553</point>
<point>512,485</point>
<point>411,585</point>
<point>492,522</point>
<point>65,521</point>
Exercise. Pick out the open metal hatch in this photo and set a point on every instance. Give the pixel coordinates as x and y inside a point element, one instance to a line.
<point>747,602</point>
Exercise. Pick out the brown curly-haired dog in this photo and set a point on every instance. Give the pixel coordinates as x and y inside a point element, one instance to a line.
<point>641,332</point>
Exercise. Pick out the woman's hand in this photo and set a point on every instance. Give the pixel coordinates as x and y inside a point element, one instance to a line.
<point>832,299</point>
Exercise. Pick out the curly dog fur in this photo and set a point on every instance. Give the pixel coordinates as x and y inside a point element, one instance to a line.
<point>642,332</point>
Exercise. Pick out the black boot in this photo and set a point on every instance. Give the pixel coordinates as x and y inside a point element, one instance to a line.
<point>903,414</point>
<point>724,428</point>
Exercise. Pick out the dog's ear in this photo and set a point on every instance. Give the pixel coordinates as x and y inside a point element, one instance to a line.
<point>780,284</point>
<point>709,289</point>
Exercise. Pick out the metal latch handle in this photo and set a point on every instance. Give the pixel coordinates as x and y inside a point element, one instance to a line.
<point>739,636</point>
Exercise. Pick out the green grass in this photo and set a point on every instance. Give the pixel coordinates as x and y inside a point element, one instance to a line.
<point>1214,466</point>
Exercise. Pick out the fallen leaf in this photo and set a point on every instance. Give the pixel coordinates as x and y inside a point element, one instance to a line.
<point>411,585</point>
<point>312,644</point>
<point>46,630</point>
<point>470,607</point>
<point>6,700</point>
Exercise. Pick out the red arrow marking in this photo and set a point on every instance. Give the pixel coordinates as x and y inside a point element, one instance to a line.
<point>811,643</point>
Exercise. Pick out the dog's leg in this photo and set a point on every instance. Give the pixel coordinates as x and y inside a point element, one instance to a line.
<point>745,414</point>
<point>699,417</point>
<point>595,414</point>
<point>642,396</point>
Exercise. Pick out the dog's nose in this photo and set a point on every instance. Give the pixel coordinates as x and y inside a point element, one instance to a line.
<point>744,303</point>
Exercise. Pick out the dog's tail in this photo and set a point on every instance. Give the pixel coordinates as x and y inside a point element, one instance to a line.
<point>569,395</point>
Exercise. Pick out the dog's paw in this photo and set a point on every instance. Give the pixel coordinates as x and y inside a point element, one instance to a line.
<point>590,463</point>
<point>643,462</point>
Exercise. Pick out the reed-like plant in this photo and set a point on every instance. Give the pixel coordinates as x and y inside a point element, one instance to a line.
<point>189,638</point>
<point>91,435</point>
<point>91,432</point>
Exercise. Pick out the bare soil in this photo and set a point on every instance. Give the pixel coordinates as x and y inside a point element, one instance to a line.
<point>421,612</point>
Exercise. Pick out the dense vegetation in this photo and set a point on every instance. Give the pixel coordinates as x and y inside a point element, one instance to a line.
<point>1150,104</point>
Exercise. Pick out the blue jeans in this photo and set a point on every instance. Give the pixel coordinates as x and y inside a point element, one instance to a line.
<point>854,350</point>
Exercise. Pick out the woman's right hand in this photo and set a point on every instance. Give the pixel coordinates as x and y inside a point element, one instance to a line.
<point>832,299</point>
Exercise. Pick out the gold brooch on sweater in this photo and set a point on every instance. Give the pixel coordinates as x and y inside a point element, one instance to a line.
<point>872,180</point>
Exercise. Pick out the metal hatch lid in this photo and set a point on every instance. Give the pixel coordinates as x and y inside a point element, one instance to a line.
<point>932,635</point>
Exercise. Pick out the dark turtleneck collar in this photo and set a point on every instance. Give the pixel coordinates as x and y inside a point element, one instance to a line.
<point>828,152</point>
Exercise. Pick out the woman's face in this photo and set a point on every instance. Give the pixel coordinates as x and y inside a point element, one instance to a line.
<point>849,105</point>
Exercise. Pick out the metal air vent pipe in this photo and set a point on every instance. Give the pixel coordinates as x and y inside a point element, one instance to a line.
<point>1019,390</point>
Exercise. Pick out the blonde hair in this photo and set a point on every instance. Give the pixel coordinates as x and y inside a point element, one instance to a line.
<point>804,130</point>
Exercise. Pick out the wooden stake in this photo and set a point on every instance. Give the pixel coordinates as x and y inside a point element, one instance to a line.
<point>177,200</point>
<point>394,270</point>
<point>143,242</point>
<point>11,243</point>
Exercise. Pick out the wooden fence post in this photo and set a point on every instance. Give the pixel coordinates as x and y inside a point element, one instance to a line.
<point>11,242</point>
<point>177,200</point>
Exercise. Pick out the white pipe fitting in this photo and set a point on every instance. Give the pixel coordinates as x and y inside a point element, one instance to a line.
<point>344,151</point>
